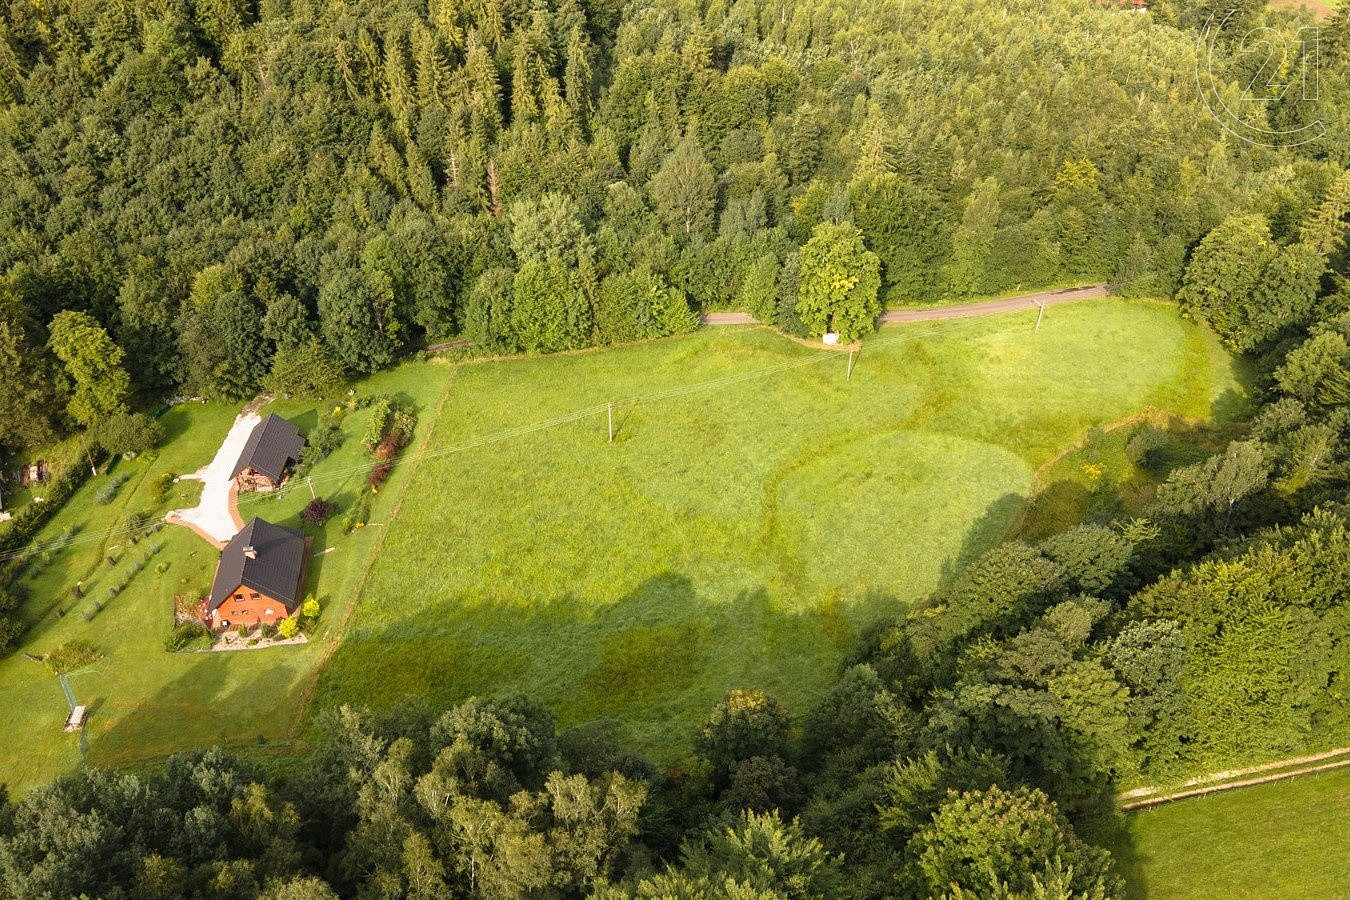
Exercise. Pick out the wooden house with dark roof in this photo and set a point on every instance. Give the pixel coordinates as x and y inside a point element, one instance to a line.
<point>272,446</point>
<point>260,577</point>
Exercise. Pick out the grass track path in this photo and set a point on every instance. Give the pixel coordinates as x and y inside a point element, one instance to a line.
<point>1339,758</point>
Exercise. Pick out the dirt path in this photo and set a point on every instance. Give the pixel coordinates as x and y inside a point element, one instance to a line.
<point>933,313</point>
<point>1142,798</point>
<point>989,307</point>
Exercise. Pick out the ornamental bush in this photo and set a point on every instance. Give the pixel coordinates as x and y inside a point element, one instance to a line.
<point>317,511</point>
<point>187,636</point>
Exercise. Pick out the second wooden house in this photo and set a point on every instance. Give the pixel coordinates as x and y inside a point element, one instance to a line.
<point>272,447</point>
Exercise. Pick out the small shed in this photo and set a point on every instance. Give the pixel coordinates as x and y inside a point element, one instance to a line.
<point>75,721</point>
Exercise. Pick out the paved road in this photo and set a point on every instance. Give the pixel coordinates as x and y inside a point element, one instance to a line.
<point>928,314</point>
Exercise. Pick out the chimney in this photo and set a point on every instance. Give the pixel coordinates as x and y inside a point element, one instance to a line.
<point>250,553</point>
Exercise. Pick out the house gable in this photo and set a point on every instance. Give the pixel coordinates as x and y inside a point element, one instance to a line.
<point>265,561</point>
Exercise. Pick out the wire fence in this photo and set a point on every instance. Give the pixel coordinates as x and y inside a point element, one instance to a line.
<point>519,431</point>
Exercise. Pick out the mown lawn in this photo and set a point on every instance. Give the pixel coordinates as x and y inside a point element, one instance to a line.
<point>737,536</point>
<point>145,702</point>
<point>1284,839</point>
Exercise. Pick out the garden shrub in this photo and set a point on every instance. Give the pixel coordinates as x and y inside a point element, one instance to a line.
<point>381,413</point>
<point>160,487</point>
<point>1146,448</point>
<point>288,628</point>
<point>317,511</point>
<point>379,473</point>
<point>269,630</point>
<point>322,440</point>
<point>70,656</point>
<point>108,492</point>
<point>357,514</point>
<point>401,428</point>
<point>188,636</point>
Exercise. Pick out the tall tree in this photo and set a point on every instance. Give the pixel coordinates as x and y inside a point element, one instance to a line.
<point>100,387</point>
<point>840,280</point>
<point>27,396</point>
<point>684,190</point>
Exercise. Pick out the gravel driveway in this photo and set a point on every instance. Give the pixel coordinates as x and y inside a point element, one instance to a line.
<point>932,313</point>
<point>215,516</point>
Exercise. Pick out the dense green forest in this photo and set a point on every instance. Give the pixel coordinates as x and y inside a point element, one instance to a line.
<point>212,197</point>
<point>223,189</point>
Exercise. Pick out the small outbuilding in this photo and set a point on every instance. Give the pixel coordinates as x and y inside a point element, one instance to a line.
<point>273,445</point>
<point>260,577</point>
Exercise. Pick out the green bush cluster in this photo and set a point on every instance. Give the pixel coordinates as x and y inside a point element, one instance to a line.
<point>187,636</point>
<point>108,492</point>
<point>381,415</point>
<point>29,520</point>
<point>357,515</point>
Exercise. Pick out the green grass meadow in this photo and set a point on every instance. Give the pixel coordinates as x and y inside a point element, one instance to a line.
<point>732,536</point>
<point>1283,839</point>
<point>737,536</point>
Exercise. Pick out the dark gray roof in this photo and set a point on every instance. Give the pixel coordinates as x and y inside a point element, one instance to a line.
<point>273,443</point>
<point>276,570</point>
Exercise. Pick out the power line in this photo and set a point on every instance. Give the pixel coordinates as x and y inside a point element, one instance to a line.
<point>535,427</point>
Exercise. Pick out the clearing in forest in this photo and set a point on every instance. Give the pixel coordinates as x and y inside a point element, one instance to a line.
<point>730,537</point>
<point>739,535</point>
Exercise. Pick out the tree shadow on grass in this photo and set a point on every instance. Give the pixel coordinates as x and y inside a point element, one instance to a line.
<point>988,531</point>
<point>655,660</point>
<point>305,421</point>
<point>216,700</point>
<point>176,423</point>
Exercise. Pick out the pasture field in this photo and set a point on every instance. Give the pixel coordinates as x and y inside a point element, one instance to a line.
<point>732,536</point>
<point>1283,839</point>
<point>736,536</point>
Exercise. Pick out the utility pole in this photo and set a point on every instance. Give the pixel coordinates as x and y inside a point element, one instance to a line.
<point>1039,315</point>
<point>849,375</point>
<point>309,481</point>
<point>611,423</point>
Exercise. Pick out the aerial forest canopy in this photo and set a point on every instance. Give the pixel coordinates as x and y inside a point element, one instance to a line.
<point>221,197</point>
<point>226,187</point>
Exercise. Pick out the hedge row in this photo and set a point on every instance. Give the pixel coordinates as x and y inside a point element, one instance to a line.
<point>29,520</point>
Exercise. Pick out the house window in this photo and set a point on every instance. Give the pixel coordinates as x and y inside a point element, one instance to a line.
<point>239,596</point>
<point>268,612</point>
<point>253,595</point>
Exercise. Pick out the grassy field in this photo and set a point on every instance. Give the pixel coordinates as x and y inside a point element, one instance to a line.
<point>740,535</point>
<point>1284,839</point>
<point>733,536</point>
